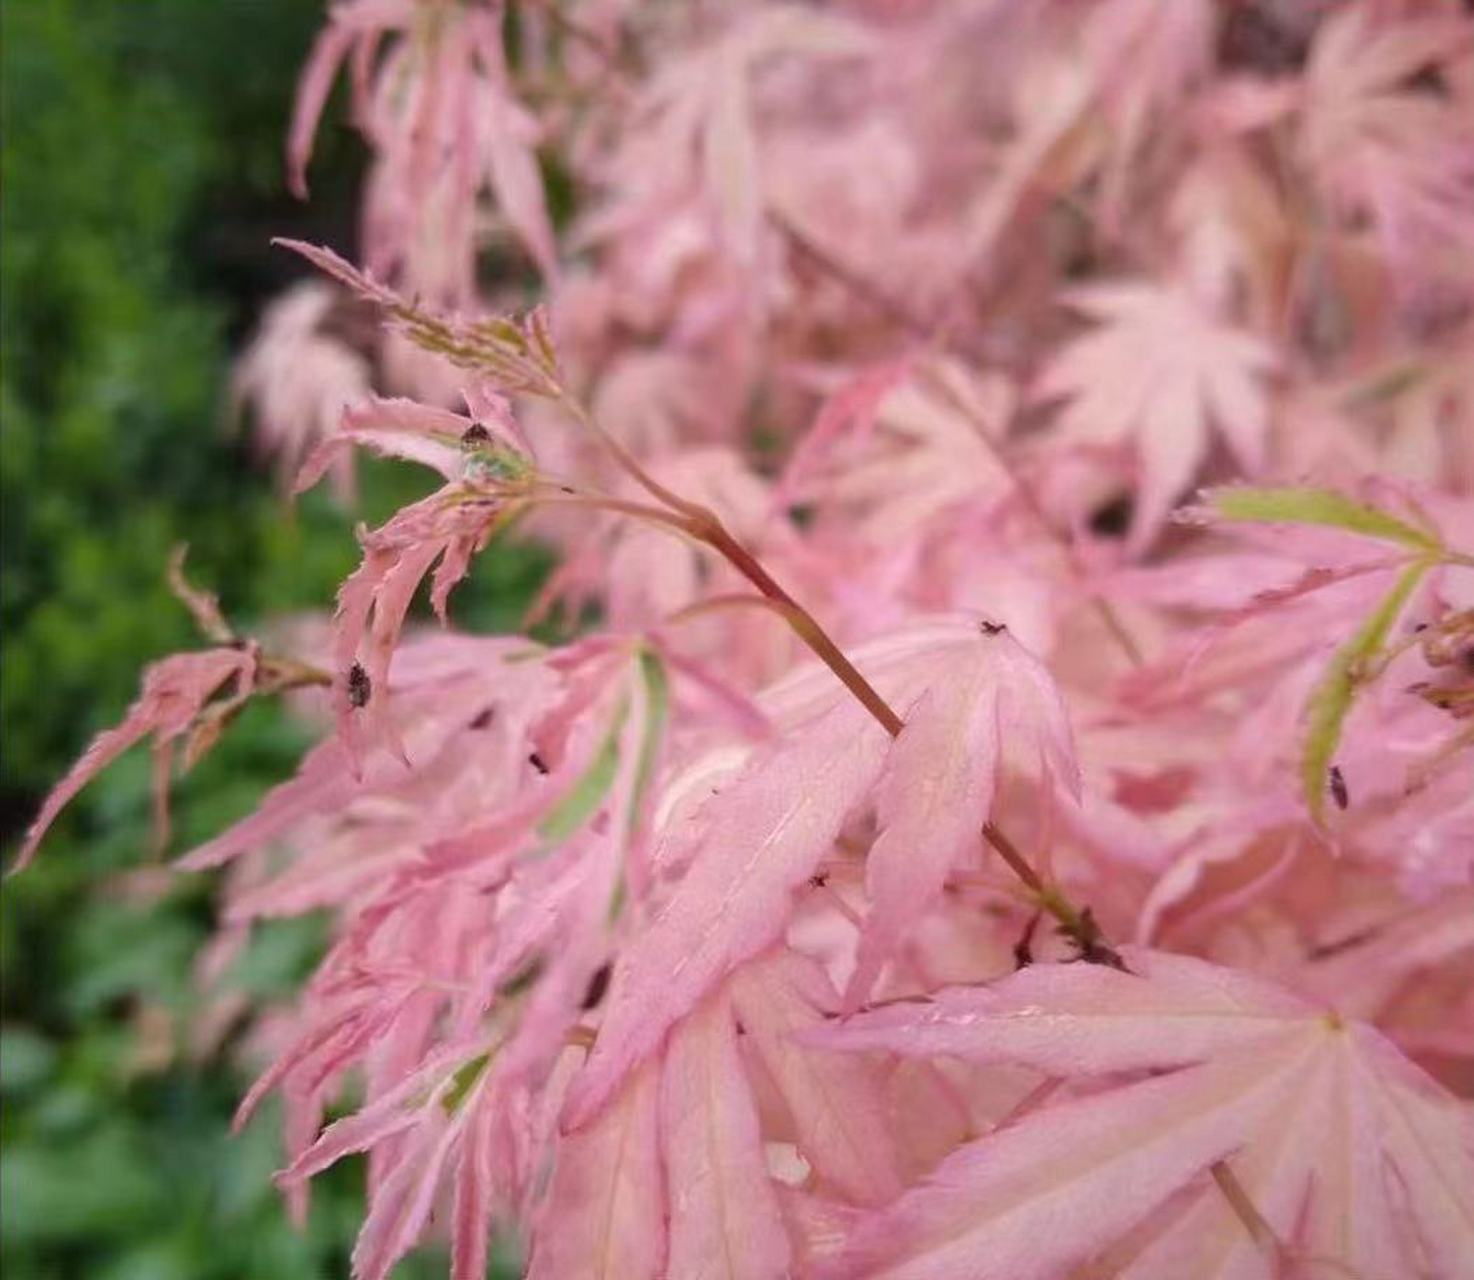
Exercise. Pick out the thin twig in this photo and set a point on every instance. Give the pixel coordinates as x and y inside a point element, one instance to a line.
<point>705,526</point>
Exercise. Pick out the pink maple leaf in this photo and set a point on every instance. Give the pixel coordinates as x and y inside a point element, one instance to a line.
<point>773,824</point>
<point>763,835</point>
<point>1349,1155</point>
<point>605,1212</point>
<point>938,789</point>
<point>836,1102</point>
<point>296,378</point>
<point>175,691</point>
<point>439,110</point>
<point>1154,374</point>
<point>450,443</point>
<point>1383,147</point>
<point>724,1219</point>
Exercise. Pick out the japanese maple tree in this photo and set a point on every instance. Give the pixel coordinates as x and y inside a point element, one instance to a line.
<point>1014,812</point>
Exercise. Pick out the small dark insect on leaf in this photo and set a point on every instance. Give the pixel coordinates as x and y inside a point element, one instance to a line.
<point>360,687</point>
<point>1338,788</point>
<point>475,435</point>
<point>598,985</point>
<point>819,879</point>
<point>483,721</point>
<point>538,763</point>
<point>1023,949</point>
<point>991,628</point>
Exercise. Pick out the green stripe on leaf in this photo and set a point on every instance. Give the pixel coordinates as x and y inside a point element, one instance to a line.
<point>657,710</point>
<point>463,1082</point>
<point>1318,507</point>
<point>1331,701</point>
<point>583,801</point>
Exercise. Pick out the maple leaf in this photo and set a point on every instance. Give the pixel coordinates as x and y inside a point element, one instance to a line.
<point>1366,980</point>
<point>444,531</point>
<point>427,1108</point>
<point>902,444</point>
<point>296,377</point>
<point>848,410</point>
<point>938,788</point>
<point>1384,147</point>
<point>485,445</point>
<point>835,1102</point>
<point>763,835</point>
<point>440,113</point>
<point>604,1217</point>
<point>174,693</point>
<point>1351,1156</point>
<point>1322,508</point>
<point>1326,524</point>
<point>1157,370</point>
<point>698,115</point>
<point>724,1219</point>
<point>516,353</point>
<point>444,687</point>
<point>774,824</point>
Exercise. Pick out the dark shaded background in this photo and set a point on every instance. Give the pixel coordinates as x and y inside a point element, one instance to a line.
<point>142,182</point>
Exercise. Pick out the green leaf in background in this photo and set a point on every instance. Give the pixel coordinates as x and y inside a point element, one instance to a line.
<point>1317,507</point>
<point>141,184</point>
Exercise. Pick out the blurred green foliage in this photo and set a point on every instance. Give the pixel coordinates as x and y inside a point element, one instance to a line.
<point>141,183</point>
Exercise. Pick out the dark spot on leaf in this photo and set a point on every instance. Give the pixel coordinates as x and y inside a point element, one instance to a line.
<point>1338,787</point>
<point>1023,949</point>
<point>484,720</point>
<point>1113,519</point>
<point>991,628</point>
<point>1340,945</point>
<point>360,687</point>
<point>1428,79</point>
<point>598,985</point>
<point>1254,38</point>
<point>1090,944</point>
<point>537,762</point>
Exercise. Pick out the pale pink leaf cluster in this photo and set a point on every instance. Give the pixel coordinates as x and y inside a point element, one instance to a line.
<point>1131,936</point>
